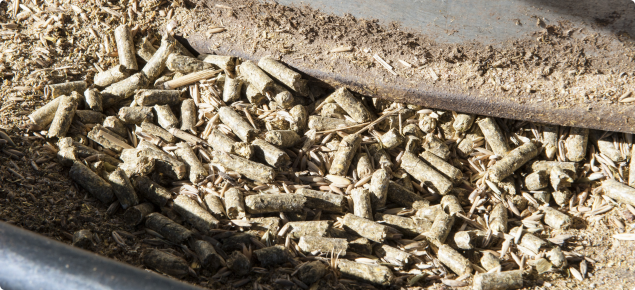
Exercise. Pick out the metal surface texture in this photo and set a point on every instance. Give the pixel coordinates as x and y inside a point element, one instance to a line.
<point>31,261</point>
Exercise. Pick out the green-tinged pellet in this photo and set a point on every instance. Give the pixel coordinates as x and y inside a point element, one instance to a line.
<point>222,61</point>
<point>451,205</point>
<point>494,136</point>
<point>317,245</point>
<point>380,156</point>
<point>319,123</point>
<point>274,203</point>
<point>238,263</point>
<point>454,260</point>
<point>165,117</point>
<point>619,191</point>
<point>254,96</point>
<point>195,214</point>
<point>45,114</point>
<point>344,156</point>
<point>208,256</point>
<point>89,116</point>
<point>186,64</point>
<point>440,229</point>
<point>498,219</point>
<point>463,122</point>
<point>327,202</point>
<point>284,74</point>
<point>125,47</point>
<point>121,90</point>
<point>166,164</point>
<point>143,165</point>
<point>436,146</point>
<point>374,274</point>
<point>239,126</point>
<point>556,257</point>
<point>155,130</point>
<point>144,49</point>
<point>300,118</point>
<point>392,139</point>
<point>135,215</point>
<point>123,189</point>
<point>166,227</point>
<point>194,166</point>
<point>231,89</point>
<point>93,100</point>
<point>361,203</point>
<point>64,89</point>
<point>111,76</point>
<point>442,166</point>
<point>221,142</point>
<point>215,205</point>
<point>426,174</point>
<point>400,195</point>
<point>255,76</point>
<point>234,204</point>
<point>152,191</point>
<point>489,261</point>
<point>364,166</point>
<point>309,228</point>
<point>559,179</point>
<point>512,161</point>
<point>108,139</point>
<point>311,272</point>
<point>157,97</point>
<point>368,229</point>
<point>529,241</point>
<point>272,256</point>
<point>352,105</point>
<point>156,64</point>
<point>282,138</point>
<point>550,141</point>
<point>282,97</point>
<point>91,182</point>
<point>166,263</point>
<point>506,280</point>
<point>392,255</point>
<point>561,197</point>
<point>135,115</point>
<point>537,180</point>
<point>410,227</point>
<point>270,154</point>
<point>556,219</point>
<point>63,117</point>
<point>251,170</point>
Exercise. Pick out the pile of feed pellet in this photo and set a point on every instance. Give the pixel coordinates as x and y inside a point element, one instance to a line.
<point>262,170</point>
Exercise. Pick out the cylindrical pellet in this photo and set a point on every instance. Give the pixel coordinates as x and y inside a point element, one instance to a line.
<point>157,97</point>
<point>409,226</point>
<point>135,215</point>
<point>361,203</point>
<point>239,126</point>
<point>125,47</point>
<point>64,89</point>
<point>89,116</point>
<point>115,125</point>
<point>300,118</point>
<point>426,174</point>
<point>144,49</point>
<point>631,168</point>
<point>45,114</point>
<point>238,263</point>
<point>332,110</point>
<point>550,141</point>
<point>440,229</point>
<point>494,136</point>
<point>619,191</point>
<point>166,263</point>
<point>123,189</point>
<point>123,89</point>
<point>381,157</point>
<point>442,166</point>
<point>316,245</point>
<point>327,202</point>
<point>215,205</point>
<point>368,229</point>
<point>282,138</point>
<point>284,74</point>
<point>152,191</point>
<point>468,240</point>
<point>255,76</point>
<point>319,123</point>
<point>436,146</point>
<point>195,214</point>
<point>529,241</point>
<point>351,105</point>
<point>155,65</point>
<point>166,227</point>
<point>400,195</point>
<point>309,228</point>
<point>254,96</point>
<point>166,164</point>
<point>489,261</point>
<point>274,203</point>
<point>188,116</point>
<point>556,219</point>
<point>512,161</point>
<point>379,188</point>
<point>559,179</point>
<point>537,180</point>
<point>542,165</point>
<point>66,155</point>
<point>234,203</point>
<point>463,122</point>
<point>251,170</point>
<point>364,165</point>
<point>454,260</point>
<point>155,130</point>
<point>270,154</point>
<point>556,257</point>
<point>194,166</point>
<point>83,239</point>
<point>344,156</point>
<point>221,142</point>
<point>93,100</point>
<point>207,255</point>
<point>392,255</point>
<point>231,89</point>
<point>374,274</point>
<point>63,117</point>
<point>392,139</point>
<point>282,97</point>
<point>498,280</point>
<point>91,182</point>
<point>135,115</point>
<point>576,144</point>
<point>111,76</point>
<point>224,62</point>
<point>451,205</point>
<point>186,64</point>
<point>311,272</point>
<point>273,256</point>
<point>165,117</point>
<point>498,219</point>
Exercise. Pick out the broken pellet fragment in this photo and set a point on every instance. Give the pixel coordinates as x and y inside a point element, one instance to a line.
<point>221,142</point>
<point>114,125</point>
<point>194,166</point>
<point>123,189</point>
<point>392,255</point>
<point>489,261</point>
<point>83,239</point>
<point>619,191</point>
<point>135,215</point>
<point>91,182</point>
<point>166,227</point>
<point>166,164</point>
<point>380,156</point>
<point>463,122</point>
<point>311,272</point>
<point>543,165</point>
<point>135,115</point>
<point>506,280</point>
<point>155,130</point>
<point>64,89</point>
<point>453,173</point>
<point>231,89</point>
<point>272,256</point>
<point>239,126</point>
<point>121,90</point>
<point>255,76</point>
<point>607,147</point>
<point>317,245</point>
<point>186,64</point>
<point>368,229</point>
<point>254,96</point>
<point>152,191</point>
<point>424,173</point>
<point>274,203</point>
<point>93,100</point>
<point>234,203</point>
<point>512,161</point>
<point>125,47</point>
<point>270,154</point>
<point>156,64</point>
<point>454,260</point>
<point>559,179</point>
<point>556,257</point>
<point>251,170</point>
<point>537,180</point>
<point>207,255</point>
<point>165,117</point>
<point>63,117</point>
<point>195,214</point>
<point>239,263</point>
<point>436,146</point>
<point>344,156</point>
<point>327,202</point>
<point>498,218</point>
<point>400,195</point>
<point>440,229</point>
<point>392,139</point>
<point>556,219</point>
<point>282,138</point>
<point>157,97</point>
<point>374,274</point>
<point>351,105</point>
<point>144,49</point>
<point>494,136</point>
<point>224,62</point>
<point>361,203</point>
<point>282,97</point>
<point>451,205</point>
<point>166,263</point>
<point>561,197</point>
<point>284,74</point>
<point>89,116</point>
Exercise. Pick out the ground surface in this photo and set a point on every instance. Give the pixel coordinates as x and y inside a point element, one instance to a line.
<point>36,194</point>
